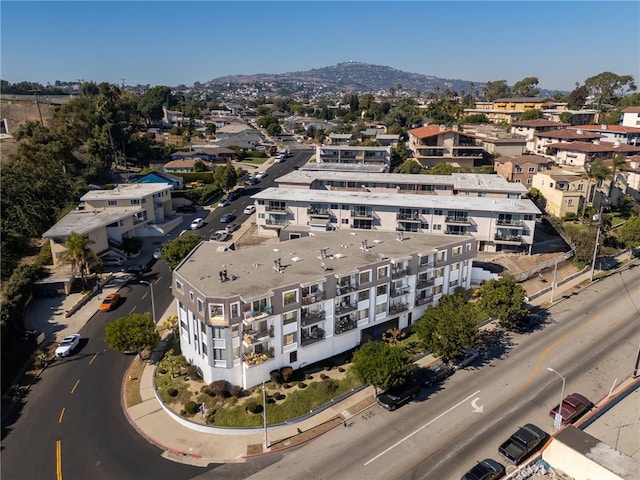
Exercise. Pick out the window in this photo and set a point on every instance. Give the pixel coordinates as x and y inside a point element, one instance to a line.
<point>438,272</point>
<point>570,202</point>
<point>200,306</point>
<point>204,348</point>
<point>518,169</point>
<point>290,297</point>
<point>455,266</point>
<point>112,203</point>
<point>437,289</point>
<point>235,331</point>
<point>216,310</point>
<point>345,221</point>
<point>441,256</point>
<point>289,338</point>
<point>382,308</point>
<point>437,226</point>
<point>580,187</point>
<point>437,212</point>
<point>532,169</point>
<point>381,289</point>
<point>179,285</point>
<point>529,181</point>
<point>363,295</point>
<point>468,247</point>
<point>235,310</point>
<point>383,272</point>
<point>482,194</point>
<point>426,211</point>
<point>362,314</point>
<point>293,356</point>
<point>334,206</point>
<point>191,296</point>
<point>365,277</point>
<point>290,317</point>
<point>456,250</point>
<point>135,201</point>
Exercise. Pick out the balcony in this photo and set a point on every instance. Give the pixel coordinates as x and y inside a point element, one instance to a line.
<point>398,308</point>
<point>399,272</point>
<point>345,307</point>
<point>508,239</point>
<point>318,213</point>
<point>346,288</point>
<point>276,221</point>
<point>313,298</point>
<point>425,282</point>
<point>408,217</point>
<point>311,317</point>
<point>361,214</point>
<point>424,300</point>
<point>315,335</point>
<point>252,337</point>
<point>276,210</point>
<point>252,359</point>
<point>426,265</point>
<point>510,223</point>
<point>346,324</point>
<point>404,290</point>
<point>458,219</point>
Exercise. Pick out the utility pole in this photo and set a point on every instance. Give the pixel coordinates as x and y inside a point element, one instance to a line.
<point>595,249</point>
<point>123,79</point>
<point>38,104</point>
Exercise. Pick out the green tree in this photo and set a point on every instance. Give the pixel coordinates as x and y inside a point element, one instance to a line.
<point>578,97</point>
<point>448,328</point>
<point>151,102</point>
<point>199,166</point>
<point>381,365</point>
<point>134,333</point>
<point>503,299</point>
<point>79,255</point>
<point>608,88</point>
<point>495,89</point>
<point>532,114</point>
<point>174,251</point>
<point>443,169</point>
<point>225,177</point>
<point>408,166</point>
<point>629,232</point>
<point>527,87</point>
<point>596,170</point>
<point>566,117</point>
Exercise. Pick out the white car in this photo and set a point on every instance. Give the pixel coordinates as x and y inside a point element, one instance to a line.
<point>68,345</point>
<point>249,209</point>
<point>261,174</point>
<point>197,223</point>
<point>279,159</point>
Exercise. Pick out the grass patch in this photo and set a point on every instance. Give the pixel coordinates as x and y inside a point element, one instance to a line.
<point>132,383</point>
<point>254,160</point>
<point>164,382</point>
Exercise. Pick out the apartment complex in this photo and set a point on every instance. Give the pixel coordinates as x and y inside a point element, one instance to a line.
<point>521,168</point>
<point>346,157</point>
<point>245,312</point>
<point>434,144</point>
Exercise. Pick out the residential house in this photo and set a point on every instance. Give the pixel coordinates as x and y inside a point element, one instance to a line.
<point>243,313</point>
<point>339,138</point>
<point>177,183</point>
<point>106,217</point>
<point>187,165</point>
<point>578,153</point>
<point>631,117</point>
<point>564,191</point>
<point>496,141</point>
<point>434,144</point>
<point>585,116</point>
<point>496,223</point>
<point>531,128</point>
<point>543,140</point>
<point>522,168</point>
<point>628,135</point>
<point>509,110</point>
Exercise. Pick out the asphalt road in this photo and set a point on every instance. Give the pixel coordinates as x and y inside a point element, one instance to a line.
<point>590,338</point>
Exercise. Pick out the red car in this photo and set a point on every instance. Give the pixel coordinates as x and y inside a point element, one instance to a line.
<point>573,407</point>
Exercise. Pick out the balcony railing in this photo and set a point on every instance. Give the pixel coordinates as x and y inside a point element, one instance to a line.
<point>405,289</point>
<point>397,308</point>
<point>400,272</point>
<point>346,288</point>
<point>315,212</point>
<point>345,324</point>
<point>424,300</point>
<point>276,221</point>
<point>511,239</point>
<point>253,359</point>
<point>465,219</point>
<point>345,307</point>
<point>316,335</point>
<point>411,217</point>
<point>361,214</point>
<point>251,337</point>
<point>425,282</point>
<point>509,222</point>
<point>313,298</point>
<point>309,318</point>
<point>276,210</point>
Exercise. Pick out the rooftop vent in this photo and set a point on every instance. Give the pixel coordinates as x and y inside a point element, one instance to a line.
<point>296,259</point>
<point>339,255</point>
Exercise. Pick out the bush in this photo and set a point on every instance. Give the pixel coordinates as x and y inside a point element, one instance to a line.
<point>323,376</point>
<point>192,371</point>
<point>276,376</point>
<point>329,386</point>
<point>328,368</point>
<point>302,385</point>
<point>286,372</point>
<point>236,391</point>
<point>162,371</point>
<point>308,376</point>
<point>278,396</point>
<point>219,388</point>
<point>210,417</point>
<point>341,370</point>
<point>253,407</point>
<point>191,407</point>
<point>286,385</point>
<point>172,392</point>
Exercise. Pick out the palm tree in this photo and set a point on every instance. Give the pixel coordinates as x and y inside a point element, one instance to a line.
<point>596,170</point>
<point>78,255</point>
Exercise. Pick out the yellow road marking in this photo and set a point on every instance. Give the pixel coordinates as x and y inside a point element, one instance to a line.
<point>93,358</point>
<point>75,386</point>
<point>132,310</point>
<point>145,295</point>
<point>58,460</point>
<point>61,415</point>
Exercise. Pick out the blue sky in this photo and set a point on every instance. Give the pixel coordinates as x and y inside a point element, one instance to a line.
<point>172,43</point>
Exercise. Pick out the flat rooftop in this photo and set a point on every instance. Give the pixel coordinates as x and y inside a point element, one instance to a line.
<point>399,200</point>
<point>251,269</point>
<point>84,222</point>
<point>126,191</point>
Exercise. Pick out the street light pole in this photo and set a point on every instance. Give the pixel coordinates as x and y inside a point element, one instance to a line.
<point>153,306</point>
<point>264,416</point>
<point>595,249</point>
<point>561,394</point>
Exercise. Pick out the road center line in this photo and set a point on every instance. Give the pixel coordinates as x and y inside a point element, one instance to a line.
<point>58,460</point>
<point>61,415</point>
<point>93,358</point>
<point>422,427</point>
<point>75,386</point>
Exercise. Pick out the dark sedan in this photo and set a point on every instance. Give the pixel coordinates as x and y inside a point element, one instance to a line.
<point>487,469</point>
<point>434,374</point>
<point>227,218</point>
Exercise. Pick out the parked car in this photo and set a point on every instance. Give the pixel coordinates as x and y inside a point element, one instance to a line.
<point>487,469</point>
<point>252,181</point>
<point>261,175</point>
<point>524,442</point>
<point>469,356</point>
<point>249,209</point>
<point>279,159</point>
<point>224,202</point>
<point>235,194</point>
<point>135,269</point>
<point>227,218</point>
<point>113,260</point>
<point>231,227</point>
<point>434,374</point>
<point>219,236</point>
<point>197,223</point>
<point>573,407</point>
<point>110,302</point>
<point>157,253</point>
<point>396,396</point>
<point>68,345</point>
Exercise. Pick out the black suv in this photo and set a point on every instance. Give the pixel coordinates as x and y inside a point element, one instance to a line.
<point>434,374</point>
<point>396,396</point>
<point>487,469</point>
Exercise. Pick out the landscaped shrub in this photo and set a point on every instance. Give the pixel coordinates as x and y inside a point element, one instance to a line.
<point>191,407</point>
<point>219,388</point>
<point>162,371</point>
<point>211,417</point>
<point>253,407</point>
<point>286,385</point>
<point>236,391</point>
<point>323,376</point>
<point>308,376</point>
<point>302,385</point>
<point>328,367</point>
<point>278,396</point>
<point>286,372</point>
<point>276,376</point>
<point>329,386</point>
<point>192,372</point>
<point>341,370</point>
<point>173,392</point>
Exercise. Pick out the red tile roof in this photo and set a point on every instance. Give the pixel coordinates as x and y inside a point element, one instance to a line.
<point>588,147</point>
<point>539,122</point>
<point>606,128</point>
<point>631,110</point>
<point>521,159</point>
<point>569,134</point>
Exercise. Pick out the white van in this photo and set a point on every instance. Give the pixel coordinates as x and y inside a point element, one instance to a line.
<point>112,260</point>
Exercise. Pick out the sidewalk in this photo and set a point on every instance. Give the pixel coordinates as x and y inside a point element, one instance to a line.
<point>199,445</point>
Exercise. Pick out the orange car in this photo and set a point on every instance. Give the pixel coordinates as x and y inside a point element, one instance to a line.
<point>110,302</point>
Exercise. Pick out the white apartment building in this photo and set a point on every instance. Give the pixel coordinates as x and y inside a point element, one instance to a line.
<point>346,157</point>
<point>243,313</point>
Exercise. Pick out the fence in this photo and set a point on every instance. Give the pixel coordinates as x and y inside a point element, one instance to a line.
<point>526,274</point>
